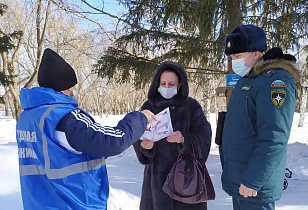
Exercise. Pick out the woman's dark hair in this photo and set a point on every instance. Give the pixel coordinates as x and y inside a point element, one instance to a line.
<point>174,71</point>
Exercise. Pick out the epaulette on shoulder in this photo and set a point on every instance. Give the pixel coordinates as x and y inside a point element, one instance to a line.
<point>269,72</point>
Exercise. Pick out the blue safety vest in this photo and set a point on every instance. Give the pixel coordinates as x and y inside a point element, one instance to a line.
<point>51,176</point>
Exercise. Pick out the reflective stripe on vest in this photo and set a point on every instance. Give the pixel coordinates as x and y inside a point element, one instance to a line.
<point>76,168</point>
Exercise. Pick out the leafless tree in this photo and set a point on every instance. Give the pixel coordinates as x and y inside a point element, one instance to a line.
<point>19,18</point>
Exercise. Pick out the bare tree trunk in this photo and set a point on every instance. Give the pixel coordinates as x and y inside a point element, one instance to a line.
<point>205,98</point>
<point>14,90</point>
<point>303,99</point>
<point>302,109</point>
<point>6,109</point>
<point>40,34</point>
<point>215,103</point>
<point>8,67</point>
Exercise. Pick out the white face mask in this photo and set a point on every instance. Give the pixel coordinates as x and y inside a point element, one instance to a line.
<point>167,93</point>
<point>75,93</point>
<point>239,66</point>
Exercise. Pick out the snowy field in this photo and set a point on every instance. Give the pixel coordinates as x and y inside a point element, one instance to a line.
<point>125,173</point>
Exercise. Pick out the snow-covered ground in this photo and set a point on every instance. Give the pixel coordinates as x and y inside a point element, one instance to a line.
<point>126,173</point>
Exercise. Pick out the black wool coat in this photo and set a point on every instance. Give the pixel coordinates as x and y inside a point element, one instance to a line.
<point>187,116</point>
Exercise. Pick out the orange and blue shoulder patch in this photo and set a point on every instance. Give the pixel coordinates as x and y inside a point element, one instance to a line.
<point>278,83</point>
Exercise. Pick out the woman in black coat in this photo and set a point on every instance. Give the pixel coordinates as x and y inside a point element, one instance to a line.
<point>169,88</point>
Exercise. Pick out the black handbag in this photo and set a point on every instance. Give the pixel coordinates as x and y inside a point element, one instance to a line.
<point>189,181</point>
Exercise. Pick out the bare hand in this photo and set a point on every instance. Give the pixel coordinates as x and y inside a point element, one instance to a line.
<point>175,137</point>
<point>150,116</point>
<point>147,144</point>
<point>247,192</point>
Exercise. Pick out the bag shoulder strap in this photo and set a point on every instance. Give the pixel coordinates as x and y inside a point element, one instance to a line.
<point>198,149</point>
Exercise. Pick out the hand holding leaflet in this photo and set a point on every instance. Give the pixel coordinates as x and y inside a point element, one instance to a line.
<point>157,130</point>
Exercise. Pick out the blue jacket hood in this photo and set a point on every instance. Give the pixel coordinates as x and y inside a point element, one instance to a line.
<point>38,96</point>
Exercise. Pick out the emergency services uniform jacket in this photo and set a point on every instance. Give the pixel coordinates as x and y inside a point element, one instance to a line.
<point>61,151</point>
<point>257,128</point>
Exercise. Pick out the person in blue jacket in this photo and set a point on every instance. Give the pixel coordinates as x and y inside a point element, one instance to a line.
<point>258,120</point>
<point>61,149</point>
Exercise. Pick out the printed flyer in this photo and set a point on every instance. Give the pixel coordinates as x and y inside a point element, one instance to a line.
<point>157,130</point>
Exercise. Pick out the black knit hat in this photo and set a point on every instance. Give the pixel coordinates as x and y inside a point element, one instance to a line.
<point>55,72</point>
<point>245,38</point>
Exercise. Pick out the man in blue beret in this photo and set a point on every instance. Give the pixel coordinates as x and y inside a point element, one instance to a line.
<point>258,120</point>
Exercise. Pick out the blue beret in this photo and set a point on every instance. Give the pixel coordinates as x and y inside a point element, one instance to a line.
<point>245,38</point>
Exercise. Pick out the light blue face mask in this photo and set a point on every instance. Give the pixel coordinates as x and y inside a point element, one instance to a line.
<point>239,66</point>
<point>167,93</point>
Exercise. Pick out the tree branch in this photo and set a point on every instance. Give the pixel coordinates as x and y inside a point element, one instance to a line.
<point>79,14</point>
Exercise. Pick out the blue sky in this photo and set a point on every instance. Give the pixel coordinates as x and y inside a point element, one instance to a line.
<point>109,6</point>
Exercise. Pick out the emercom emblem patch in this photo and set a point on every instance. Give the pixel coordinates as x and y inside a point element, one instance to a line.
<point>278,97</point>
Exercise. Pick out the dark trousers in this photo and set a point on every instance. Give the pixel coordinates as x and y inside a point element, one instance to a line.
<point>239,204</point>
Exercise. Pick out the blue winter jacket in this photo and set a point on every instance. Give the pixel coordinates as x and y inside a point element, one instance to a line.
<point>55,176</point>
<point>256,130</point>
